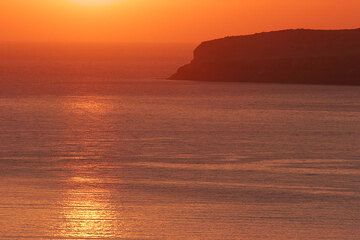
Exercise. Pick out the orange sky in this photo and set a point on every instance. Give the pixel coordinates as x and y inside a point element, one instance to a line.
<point>165,20</point>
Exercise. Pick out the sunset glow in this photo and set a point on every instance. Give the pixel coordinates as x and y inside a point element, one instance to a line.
<point>93,2</point>
<point>180,119</point>
<point>163,20</point>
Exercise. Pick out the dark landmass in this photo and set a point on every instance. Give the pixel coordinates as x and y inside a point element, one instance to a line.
<point>288,56</point>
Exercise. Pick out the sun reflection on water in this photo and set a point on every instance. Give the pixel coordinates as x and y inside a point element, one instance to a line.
<point>88,210</point>
<point>90,105</point>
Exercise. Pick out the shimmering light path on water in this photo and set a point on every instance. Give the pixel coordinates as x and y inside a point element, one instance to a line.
<point>180,160</point>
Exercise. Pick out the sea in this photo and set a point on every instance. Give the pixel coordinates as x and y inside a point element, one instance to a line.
<point>95,143</point>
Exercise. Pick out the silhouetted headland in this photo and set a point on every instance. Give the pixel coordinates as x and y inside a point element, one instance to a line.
<point>287,56</point>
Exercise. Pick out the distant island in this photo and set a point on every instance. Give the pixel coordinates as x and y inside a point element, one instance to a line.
<point>287,56</point>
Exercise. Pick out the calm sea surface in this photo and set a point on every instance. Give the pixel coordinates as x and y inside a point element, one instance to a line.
<point>156,159</point>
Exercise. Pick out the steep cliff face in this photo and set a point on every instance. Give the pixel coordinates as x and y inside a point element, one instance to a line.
<point>289,56</point>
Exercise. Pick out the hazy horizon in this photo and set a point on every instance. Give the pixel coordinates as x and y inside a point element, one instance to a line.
<point>91,62</point>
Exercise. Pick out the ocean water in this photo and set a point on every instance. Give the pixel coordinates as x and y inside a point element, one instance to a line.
<point>157,159</point>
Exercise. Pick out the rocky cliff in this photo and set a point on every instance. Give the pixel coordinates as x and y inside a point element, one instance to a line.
<point>288,56</point>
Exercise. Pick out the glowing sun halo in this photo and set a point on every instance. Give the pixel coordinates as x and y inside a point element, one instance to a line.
<point>93,2</point>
